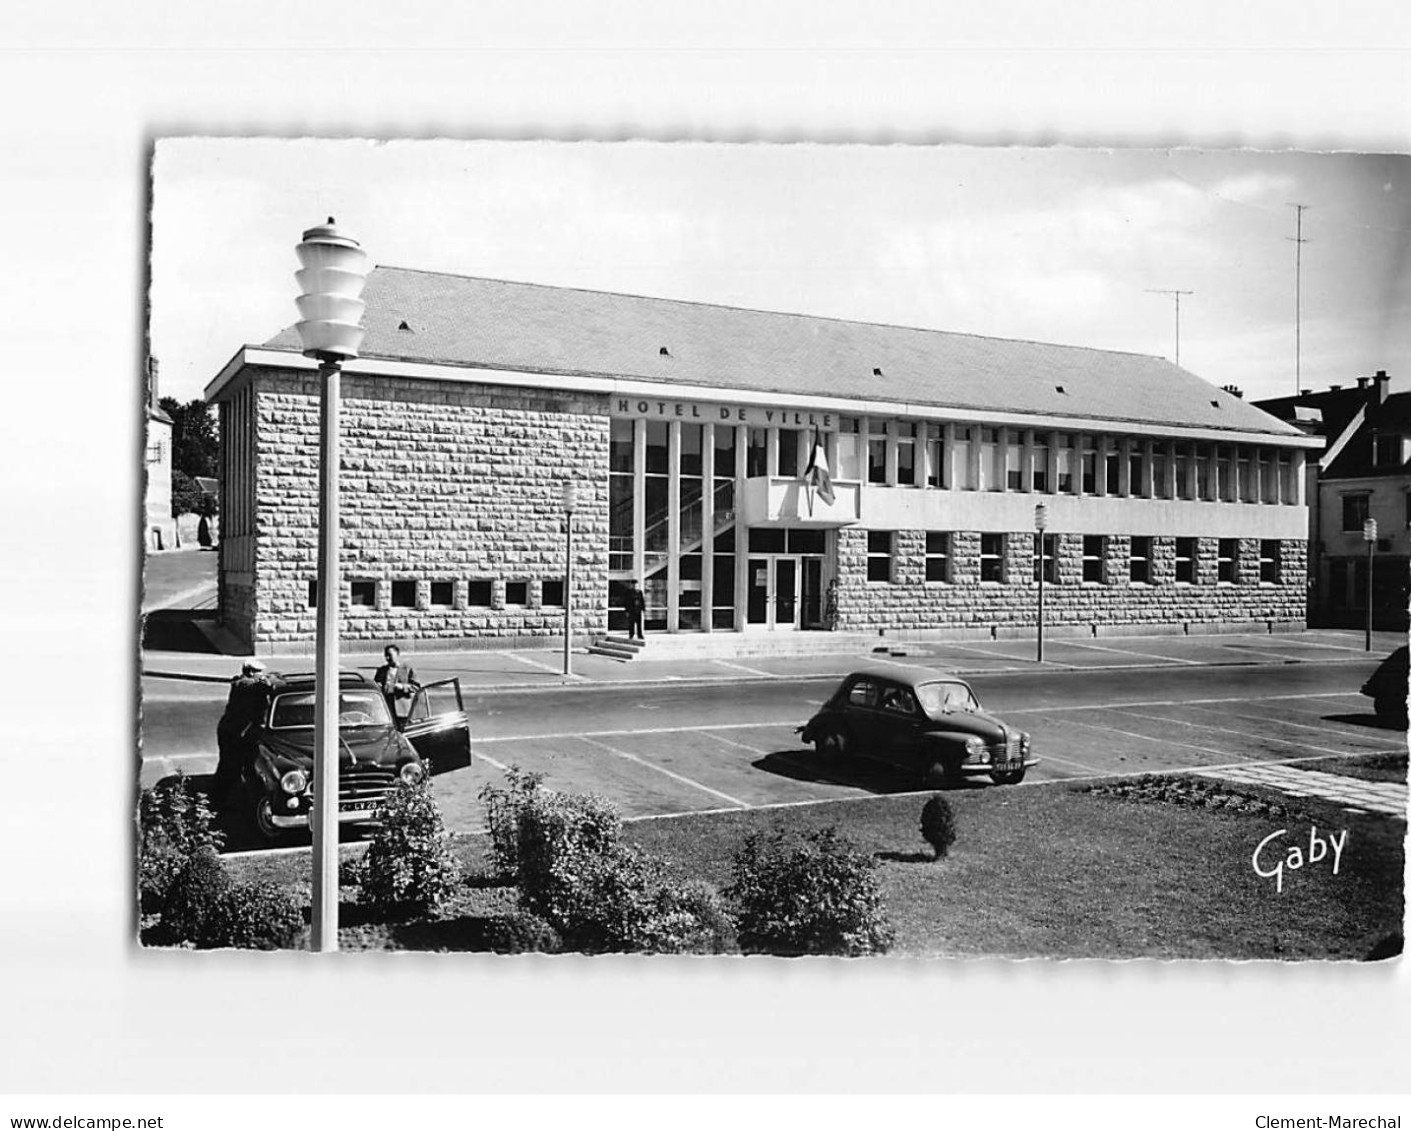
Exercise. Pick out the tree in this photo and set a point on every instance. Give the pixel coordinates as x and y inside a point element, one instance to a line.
<point>195,446</point>
<point>185,494</point>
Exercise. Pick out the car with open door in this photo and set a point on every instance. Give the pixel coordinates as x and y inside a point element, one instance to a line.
<point>932,724</point>
<point>375,750</point>
<point>1387,688</point>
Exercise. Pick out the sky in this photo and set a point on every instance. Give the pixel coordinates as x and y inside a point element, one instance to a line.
<point>1063,245</point>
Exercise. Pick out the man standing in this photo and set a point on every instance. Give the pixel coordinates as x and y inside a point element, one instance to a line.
<point>236,733</point>
<point>397,683</point>
<point>636,609</point>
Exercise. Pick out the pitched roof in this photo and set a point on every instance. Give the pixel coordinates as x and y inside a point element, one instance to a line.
<point>1339,408</point>
<point>489,323</point>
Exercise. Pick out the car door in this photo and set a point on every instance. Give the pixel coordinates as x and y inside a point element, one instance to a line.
<point>856,706</point>
<point>898,719</point>
<point>437,726</point>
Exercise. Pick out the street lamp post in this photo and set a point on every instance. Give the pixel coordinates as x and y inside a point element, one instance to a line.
<point>1041,524</point>
<point>333,272</point>
<point>1369,534</point>
<point>570,498</point>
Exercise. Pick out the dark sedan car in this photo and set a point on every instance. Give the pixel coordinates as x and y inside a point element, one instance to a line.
<point>1387,688</point>
<point>932,724</point>
<point>374,750</point>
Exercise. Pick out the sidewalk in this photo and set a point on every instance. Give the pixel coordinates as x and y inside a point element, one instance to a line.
<point>528,669</point>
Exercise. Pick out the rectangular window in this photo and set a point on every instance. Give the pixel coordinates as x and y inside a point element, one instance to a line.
<point>1227,556</point>
<point>877,452</point>
<point>1269,561</point>
<point>403,593</point>
<point>963,478</point>
<point>756,463</point>
<point>1089,466</point>
<point>1040,456</point>
<point>620,448</point>
<point>1268,477</point>
<point>516,592</point>
<point>1160,464</point>
<point>1246,472</point>
<point>1355,512</point>
<point>1185,470</point>
<point>658,447</point>
<point>1185,561</point>
<point>848,451</point>
<point>1094,547</point>
<point>806,542</point>
<point>1388,451</point>
<point>1014,464</point>
<point>936,457</point>
<point>1066,457</point>
<point>313,593</point>
<point>1140,567</point>
<point>906,454</point>
<point>479,594</point>
<point>692,438</point>
<point>551,592</point>
<point>363,592</point>
<point>937,555</point>
<point>766,540</point>
<point>879,555</point>
<point>1287,480</point>
<point>443,593</point>
<point>788,464</point>
<point>1113,474</point>
<point>1135,467</point>
<point>1049,557</point>
<point>1204,472</point>
<point>991,461</point>
<point>991,557</point>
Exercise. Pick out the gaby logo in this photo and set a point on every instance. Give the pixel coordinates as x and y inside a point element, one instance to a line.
<point>1272,860</point>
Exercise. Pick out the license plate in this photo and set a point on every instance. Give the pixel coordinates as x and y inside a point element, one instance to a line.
<point>1005,767</point>
<point>352,806</point>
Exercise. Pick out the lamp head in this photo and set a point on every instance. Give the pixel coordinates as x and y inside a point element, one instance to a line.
<point>333,272</point>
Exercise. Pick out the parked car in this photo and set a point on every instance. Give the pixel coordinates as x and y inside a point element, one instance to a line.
<point>932,724</point>
<point>1387,687</point>
<point>375,749</point>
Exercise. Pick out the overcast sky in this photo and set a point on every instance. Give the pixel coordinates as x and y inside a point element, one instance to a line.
<point>1053,245</point>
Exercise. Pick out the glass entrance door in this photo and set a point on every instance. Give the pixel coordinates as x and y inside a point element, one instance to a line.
<point>773,594</point>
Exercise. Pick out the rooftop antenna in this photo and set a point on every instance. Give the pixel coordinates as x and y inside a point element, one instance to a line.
<point>1298,241</point>
<point>1177,295</point>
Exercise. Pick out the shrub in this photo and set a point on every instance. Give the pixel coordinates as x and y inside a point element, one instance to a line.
<point>192,896</point>
<point>502,808</point>
<point>175,823</point>
<point>938,824</point>
<point>603,895</point>
<point>254,916</point>
<point>522,933</point>
<point>409,865</point>
<point>815,894</point>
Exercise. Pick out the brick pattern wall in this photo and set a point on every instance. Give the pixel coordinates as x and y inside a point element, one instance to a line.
<point>440,482</point>
<point>909,602</point>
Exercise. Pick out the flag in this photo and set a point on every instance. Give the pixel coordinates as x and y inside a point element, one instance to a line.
<point>816,474</point>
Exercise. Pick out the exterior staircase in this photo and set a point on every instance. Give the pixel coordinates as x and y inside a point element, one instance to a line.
<point>615,647</point>
<point>728,645</point>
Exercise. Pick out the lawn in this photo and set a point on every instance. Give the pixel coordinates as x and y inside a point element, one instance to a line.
<point>1159,868</point>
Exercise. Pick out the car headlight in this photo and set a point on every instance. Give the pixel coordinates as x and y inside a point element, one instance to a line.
<point>974,745</point>
<point>294,781</point>
<point>411,773</point>
<point>1024,743</point>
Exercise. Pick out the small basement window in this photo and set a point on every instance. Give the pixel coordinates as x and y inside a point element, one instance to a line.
<point>1269,561</point>
<point>443,593</point>
<point>1185,561</point>
<point>404,593</point>
<point>551,592</point>
<point>516,592</point>
<point>479,594</point>
<point>363,592</point>
<point>1140,572</point>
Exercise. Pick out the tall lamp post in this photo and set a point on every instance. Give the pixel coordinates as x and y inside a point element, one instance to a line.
<point>334,269</point>
<point>1369,534</point>
<point>570,499</point>
<point>1041,524</point>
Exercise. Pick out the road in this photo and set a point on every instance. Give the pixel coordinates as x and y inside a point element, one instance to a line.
<point>664,748</point>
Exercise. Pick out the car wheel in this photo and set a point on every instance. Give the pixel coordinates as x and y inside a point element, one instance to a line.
<point>943,772</point>
<point>832,745</point>
<point>262,818</point>
<point>1007,777</point>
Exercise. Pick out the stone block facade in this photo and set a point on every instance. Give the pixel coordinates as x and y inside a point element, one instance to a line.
<point>909,603</point>
<point>452,522</point>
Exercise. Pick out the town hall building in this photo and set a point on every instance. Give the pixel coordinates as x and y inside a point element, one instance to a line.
<point>754,472</point>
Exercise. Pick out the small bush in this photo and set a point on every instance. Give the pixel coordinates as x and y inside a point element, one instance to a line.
<point>815,894</point>
<point>254,916</point>
<point>409,866</point>
<point>192,896</point>
<point>522,933</point>
<point>502,809</point>
<point>938,824</point>
<point>175,823</point>
<point>690,919</point>
<point>352,871</point>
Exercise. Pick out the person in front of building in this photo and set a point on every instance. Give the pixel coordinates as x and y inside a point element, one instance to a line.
<point>397,682</point>
<point>636,610</point>
<point>236,733</point>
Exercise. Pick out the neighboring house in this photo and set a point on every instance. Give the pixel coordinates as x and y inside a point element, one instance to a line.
<point>691,430</point>
<point>1365,472</point>
<point>159,528</point>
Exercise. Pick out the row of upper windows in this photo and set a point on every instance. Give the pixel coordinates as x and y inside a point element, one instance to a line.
<point>997,565</point>
<point>1357,509</point>
<point>401,593</point>
<point>898,453</point>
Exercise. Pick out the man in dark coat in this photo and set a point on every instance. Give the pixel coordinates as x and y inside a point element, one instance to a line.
<point>636,609</point>
<point>397,683</point>
<point>237,731</point>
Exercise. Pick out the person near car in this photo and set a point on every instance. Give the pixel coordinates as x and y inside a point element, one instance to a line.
<point>636,610</point>
<point>397,682</point>
<point>237,731</point>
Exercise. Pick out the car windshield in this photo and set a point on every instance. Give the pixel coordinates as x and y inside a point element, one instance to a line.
<point>938,698</point>
<point>357,706</point>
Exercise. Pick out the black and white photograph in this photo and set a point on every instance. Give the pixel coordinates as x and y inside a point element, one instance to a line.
<point>802,550</point>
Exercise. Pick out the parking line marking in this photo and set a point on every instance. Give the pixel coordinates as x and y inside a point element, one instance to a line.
<point>558,671</point>
<point>1172,702</point>
<point>669,773</point>
<point>1046,757</point>
<point>1130,653</point>
<point>1255,734</point>
<point>1148,738</point>
<point>752,671</point>
<point>1345,727</point>
<point>790,723</point>
<point>732,742</point>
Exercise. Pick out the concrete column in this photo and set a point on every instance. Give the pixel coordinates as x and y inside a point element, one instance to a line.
<point>742,437</point>
<point>1298,471</point>
<point>707,524</point>
<point>948,468</point>
<point>1026,460</point>
<point>973,456</point>
<point>639,499</point>
<point>891,427</point>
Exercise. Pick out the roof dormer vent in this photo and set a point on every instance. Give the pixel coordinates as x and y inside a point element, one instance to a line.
<point>876,371</point>
<point>664,352</point>
<point>1060,389</point>
<point>403,325</point>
